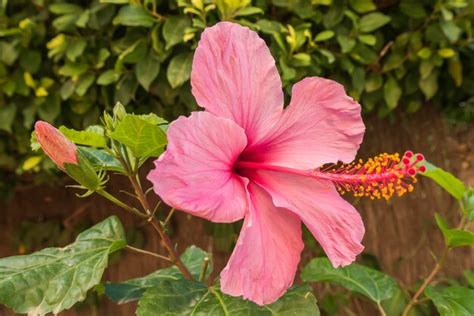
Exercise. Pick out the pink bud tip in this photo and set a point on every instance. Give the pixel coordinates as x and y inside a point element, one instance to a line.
<point>419,157</point>
<point>406,161</point>
<point>422,169</point>
<point>408,154</point>
<point>412,171</point>
<point>60,149</point>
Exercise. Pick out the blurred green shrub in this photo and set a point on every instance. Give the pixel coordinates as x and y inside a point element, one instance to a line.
<point>66,61</point>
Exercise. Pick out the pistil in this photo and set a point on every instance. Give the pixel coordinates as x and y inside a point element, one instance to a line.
<point>383,176</point>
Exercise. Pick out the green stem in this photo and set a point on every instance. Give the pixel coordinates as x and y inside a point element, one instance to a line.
<point>145,252</point>
<point>381,310</point>
<point>202,276</point>
<point>116,201</point>
<point>168,218</point>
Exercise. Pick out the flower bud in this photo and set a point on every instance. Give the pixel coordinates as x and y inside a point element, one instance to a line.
<point>60,149</point>
<point>67,156</point>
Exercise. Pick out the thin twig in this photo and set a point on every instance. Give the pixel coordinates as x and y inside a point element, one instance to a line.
<point>202,276</point>
<point>145,252</point>
<point>168,218</point>
<point>174,257</point>
<point>439,264</point>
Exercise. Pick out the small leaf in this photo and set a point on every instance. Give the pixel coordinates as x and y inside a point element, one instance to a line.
<point>54,279</point>
<point>346,43</point>
<point>372,21</point>
<point>107,77</point>
<point>179,69</point>
<point>31,162</point>
<point>451,30</point>
<point>452,301</point>
<point>447,52</point>
<point>131,290</point>
<point>147,70</point>
<point>173,30</point>
<point>454,237</point>
<point>392,93</point>
<point>368,39</point>
<point>7,116</point>
<point>424,53</point>
<point>429,85</point>
<point>144,139</point>
<point>101,160</point>
<point>93,138</point>
<point>134,15</point>
<point>371,283</point>
<point>444,179</point>
<point>455,70</point>
<point>363,6</point>
<point>324,35</point>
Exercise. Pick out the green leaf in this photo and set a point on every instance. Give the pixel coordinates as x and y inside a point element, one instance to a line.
<point>469,275</point>
<point>373,82</point>
<point>363,6</point>
<point>75,48</point>
<point>413,9</point>
<point>147,70</point>
<point>371,283</point>
<point>173,30</point>
<point>134,15</point>
<point>7,116</point>
<point>452,301</point>
<point>324,35</point>
<point>144,139</point>
<point>346,43</point>
<point>454,237</point>
<point>54,279</point>
<point>429,85</point>
<point>101,160</point>
<point>64,8</point>
<point>455,70</point>
<point>372,21</point>
<point>131,290</point>
<point>152,118</point>
<point>91,137</point>
<point>179,69</point>
<point>194,298</point>
<point>444,179</point>
<point>107,77</point>
<point>451,30</point>
<point>368,39</point>
<point>391,92</point>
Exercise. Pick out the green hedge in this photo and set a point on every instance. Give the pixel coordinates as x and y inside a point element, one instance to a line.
<point>65,62</point>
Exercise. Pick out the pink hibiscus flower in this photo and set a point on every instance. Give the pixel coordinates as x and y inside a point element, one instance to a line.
<point>247,157</point>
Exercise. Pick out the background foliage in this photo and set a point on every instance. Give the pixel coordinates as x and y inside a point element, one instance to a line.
<point>66,62</point>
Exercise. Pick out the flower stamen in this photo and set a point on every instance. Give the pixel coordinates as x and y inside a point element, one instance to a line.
<point>383,176</point>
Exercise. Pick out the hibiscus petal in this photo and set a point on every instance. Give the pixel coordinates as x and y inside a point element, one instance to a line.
<point>234,76</point>
<point>321,125</point>
<point>264,262</point>
<point>334,222</point>
<point>195,173</point>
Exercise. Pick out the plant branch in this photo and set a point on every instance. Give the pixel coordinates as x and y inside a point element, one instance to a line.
<point>167,243</point>
<point>132,175</point>
<point>439,264</point>
<point>116,201</point>
<point>145,252</point>
<point>381,310</point>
